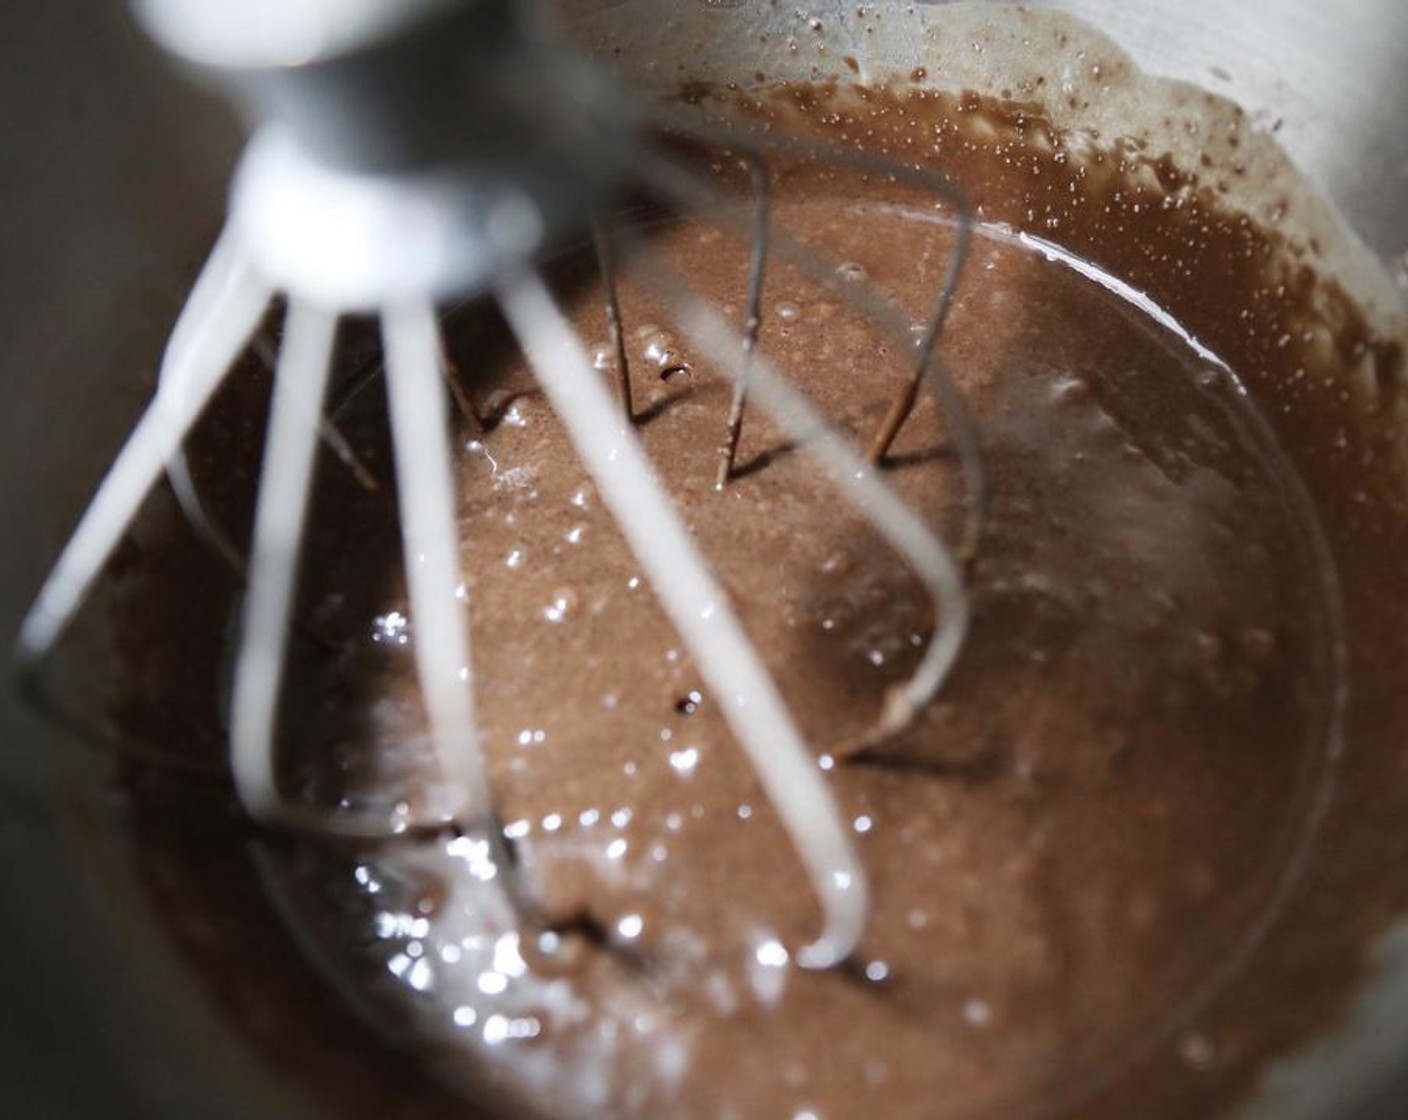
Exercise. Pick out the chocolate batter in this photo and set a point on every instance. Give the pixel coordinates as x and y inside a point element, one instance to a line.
<point>1090,858</point>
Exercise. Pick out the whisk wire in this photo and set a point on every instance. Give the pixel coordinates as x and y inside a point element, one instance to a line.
<point>212,330</point>
<point>699,609</point>
<point>752,319</point>
<point>682,187</point>
<point>300,383</point>
<point>858,482</point>
<point>454,383</point>
<point>431,548</point>
<point>606,265</point>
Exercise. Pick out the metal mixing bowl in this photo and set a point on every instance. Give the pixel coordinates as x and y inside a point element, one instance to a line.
<point>112,188</point>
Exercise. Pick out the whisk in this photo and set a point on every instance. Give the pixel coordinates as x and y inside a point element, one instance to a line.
<point>407,154</point>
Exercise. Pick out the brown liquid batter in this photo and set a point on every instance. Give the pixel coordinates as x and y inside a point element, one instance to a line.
<point>1081,854</point>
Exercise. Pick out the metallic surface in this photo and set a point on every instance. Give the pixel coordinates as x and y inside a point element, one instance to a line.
<point>1334,74</point>
<point>111,191</point>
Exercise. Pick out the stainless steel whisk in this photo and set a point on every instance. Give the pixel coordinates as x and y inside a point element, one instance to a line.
<point>404,154</point>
